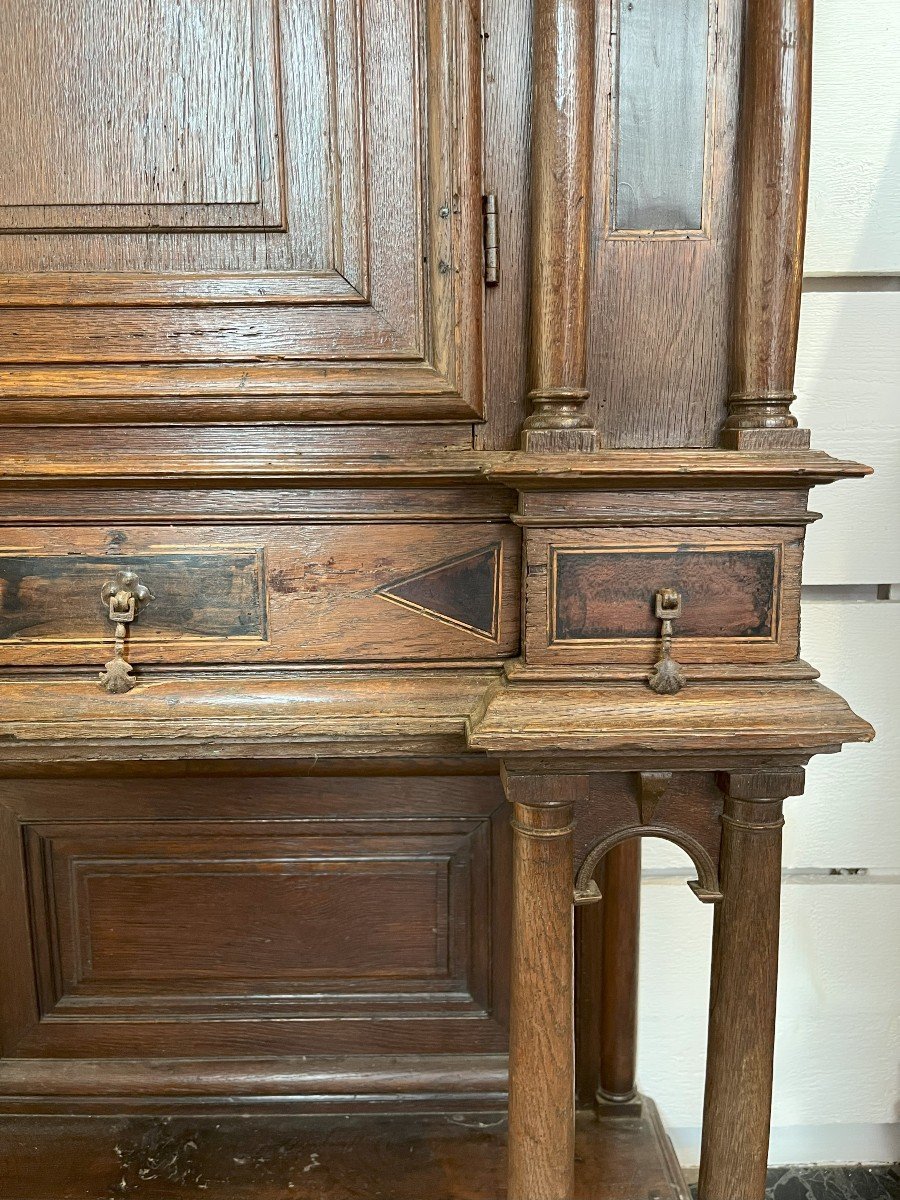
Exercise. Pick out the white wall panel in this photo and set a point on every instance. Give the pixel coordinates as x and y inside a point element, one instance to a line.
<point>838,1035</point>
<point>849,814</point>
<point>848,393</point>
<point>854,212</point>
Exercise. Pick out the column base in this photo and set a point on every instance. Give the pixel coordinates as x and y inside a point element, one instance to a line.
<point>765,439</point>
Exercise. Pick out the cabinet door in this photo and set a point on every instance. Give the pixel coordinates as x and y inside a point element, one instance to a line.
<point>248,209</point>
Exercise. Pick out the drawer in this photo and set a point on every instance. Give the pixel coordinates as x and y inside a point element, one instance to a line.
<point>591,594</point>
<point>296,593</point>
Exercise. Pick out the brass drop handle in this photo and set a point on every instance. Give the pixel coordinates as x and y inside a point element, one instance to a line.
<point>124,596</point>
<point>667,677</point>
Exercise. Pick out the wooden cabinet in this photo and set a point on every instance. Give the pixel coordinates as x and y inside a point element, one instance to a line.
<point>402,515</point>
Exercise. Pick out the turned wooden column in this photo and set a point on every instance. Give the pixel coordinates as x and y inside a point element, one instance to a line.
<point>541,1034</point>
<point>738,1101</point>
<point>621,911</point>
<point>774,170</point>
<point>561,164</point>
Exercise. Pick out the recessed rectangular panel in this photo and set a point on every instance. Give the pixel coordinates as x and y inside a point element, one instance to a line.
<point>280,914</point>
<point>604,594</point>
<point>113,113</point>
<point>659,130</point>
<point>56,597</point>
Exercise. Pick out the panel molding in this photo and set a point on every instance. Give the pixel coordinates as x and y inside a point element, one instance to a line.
<point>384,319</point>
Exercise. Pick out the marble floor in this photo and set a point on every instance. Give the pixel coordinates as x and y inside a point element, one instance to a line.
<point>832,1183</point>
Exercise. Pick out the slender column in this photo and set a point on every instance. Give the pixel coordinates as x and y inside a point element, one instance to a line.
<point>621,907</point>
<point>541,1034</point>
<point>588,995</point>
<point>774,158</point>
<point>561,164</point>
<point>738,1102</point>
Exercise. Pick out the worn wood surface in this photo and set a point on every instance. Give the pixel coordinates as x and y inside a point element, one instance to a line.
<point>775,132</point>
<point>273,873</point>
<point>592,589</point>
<point>742,991</point>
<point>661,301</point>
<point>561,159</point>
<point>541,1023</point>
<point>265,594</point>
<point>620,911</point>
<point>260,1158</point>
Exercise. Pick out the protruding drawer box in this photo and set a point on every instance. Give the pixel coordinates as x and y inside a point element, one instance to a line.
<point>264,594</point>
<point>590,594</point>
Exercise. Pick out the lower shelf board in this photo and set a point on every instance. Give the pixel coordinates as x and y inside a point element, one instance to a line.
<point>453,1156</point>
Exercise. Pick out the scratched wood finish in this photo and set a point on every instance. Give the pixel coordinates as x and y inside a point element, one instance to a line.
<point>272,959</point>
<point>265,594</point>
<point>775,137</point>
<point>303,241</point>
<point>380,1157</point>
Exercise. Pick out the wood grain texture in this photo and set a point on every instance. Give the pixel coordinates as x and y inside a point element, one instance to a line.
<point>264,594</point>
<point>386,1157</point>
<point>272,959</point>
<point>742,992</point>
<point>790,718</point>
<point>541,1032</point>
<point>620,911</point>
<point>349,237</point>
<point>743,586</point>
<point>660,304</point>
<point>507,137</point>
<point>601,595</point>
<point>775,132</point>
<point>561,155</point>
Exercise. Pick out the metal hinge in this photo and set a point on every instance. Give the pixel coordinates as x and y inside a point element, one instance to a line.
<point>491,240</point>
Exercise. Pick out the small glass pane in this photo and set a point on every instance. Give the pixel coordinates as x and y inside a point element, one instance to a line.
<point>661,114</point>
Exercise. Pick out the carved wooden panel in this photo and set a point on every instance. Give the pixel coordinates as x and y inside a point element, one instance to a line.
<point>229,915</point>
<point>241,207</point>
<point>590,594</point>
<point>315,592</point>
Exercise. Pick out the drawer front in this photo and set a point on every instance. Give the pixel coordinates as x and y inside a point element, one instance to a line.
<point>591,596</point>
<point>241,594</point>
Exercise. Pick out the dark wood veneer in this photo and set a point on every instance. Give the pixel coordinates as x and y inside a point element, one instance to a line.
<point>606,594</point>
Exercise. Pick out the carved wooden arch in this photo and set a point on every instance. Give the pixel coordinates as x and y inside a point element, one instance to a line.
<point>705,887</point>
<point>684,808</point>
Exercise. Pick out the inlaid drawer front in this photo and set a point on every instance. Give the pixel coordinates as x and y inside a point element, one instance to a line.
<point>240,594</point>
<point>591,596</point>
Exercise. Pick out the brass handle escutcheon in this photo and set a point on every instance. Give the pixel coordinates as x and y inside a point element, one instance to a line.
<point>124,596</point>
<point>667,677</point>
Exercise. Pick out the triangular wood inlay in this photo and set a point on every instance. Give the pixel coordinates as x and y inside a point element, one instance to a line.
<point>463,591</point>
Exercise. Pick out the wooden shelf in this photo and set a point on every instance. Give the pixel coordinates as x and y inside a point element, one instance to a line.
<point>451,1156</point>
